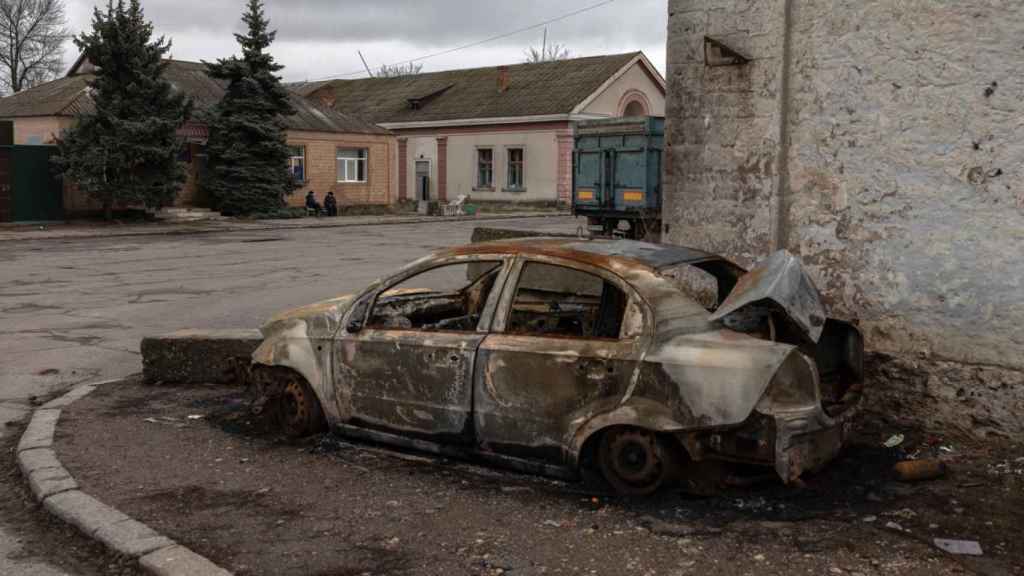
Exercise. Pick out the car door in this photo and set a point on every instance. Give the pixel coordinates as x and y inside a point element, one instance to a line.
<point>566,340</point>
<point>404,363</point>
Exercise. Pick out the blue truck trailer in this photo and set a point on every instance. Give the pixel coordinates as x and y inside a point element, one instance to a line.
<point>617,175</point>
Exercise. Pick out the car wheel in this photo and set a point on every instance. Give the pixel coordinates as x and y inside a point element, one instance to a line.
<point>636,462</point>
<point>298,409</point>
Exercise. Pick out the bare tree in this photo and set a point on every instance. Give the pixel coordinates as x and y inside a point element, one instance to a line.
<point>392,70</point>
<point>32,33</point>
<point>546,53</point>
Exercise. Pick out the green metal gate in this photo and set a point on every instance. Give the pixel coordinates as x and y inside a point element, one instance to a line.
<point>36,192</point>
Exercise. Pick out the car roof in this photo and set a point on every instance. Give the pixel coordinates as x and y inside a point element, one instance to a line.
<point>600,252</point>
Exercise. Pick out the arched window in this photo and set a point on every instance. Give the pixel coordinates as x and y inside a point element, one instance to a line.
<point>634,103</point>
<point>635,108</point>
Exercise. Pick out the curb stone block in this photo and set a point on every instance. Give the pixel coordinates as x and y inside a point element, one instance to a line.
<point>57,490</point>
<point>40,431</point>
<point>47,482</point>
<point>196,356</point>
<point>76,393</point>
<point>83,511</point>
<point>179,561</point>
<point>37,459</point>
<point>132,538</point>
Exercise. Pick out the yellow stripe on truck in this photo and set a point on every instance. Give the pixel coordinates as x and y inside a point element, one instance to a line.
<point>633,196</point>
<point>584,193</point>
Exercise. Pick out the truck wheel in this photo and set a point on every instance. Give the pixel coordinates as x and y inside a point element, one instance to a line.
<point>636,462</point>
<point>298,409</point>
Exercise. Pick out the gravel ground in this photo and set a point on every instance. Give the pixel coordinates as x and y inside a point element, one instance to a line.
<point>258,504</point>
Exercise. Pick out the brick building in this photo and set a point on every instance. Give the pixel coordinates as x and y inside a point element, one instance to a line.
<point>332,151</point>
<point>882,142</point>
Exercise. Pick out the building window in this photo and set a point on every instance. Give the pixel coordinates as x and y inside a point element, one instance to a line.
<point>514,181</point>
<point>484,168</point>
<point>297,162</point>
<point>352,164</point>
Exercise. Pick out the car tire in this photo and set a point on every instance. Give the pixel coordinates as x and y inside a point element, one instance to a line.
<point>298,410</point>
<point>637,462</point>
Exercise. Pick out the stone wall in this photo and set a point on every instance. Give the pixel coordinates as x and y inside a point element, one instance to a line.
<point>883,142</point>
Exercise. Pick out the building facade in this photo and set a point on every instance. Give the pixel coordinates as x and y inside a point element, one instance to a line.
<point>331,151</point>
<point>495,134</point>
<point>881,142</point>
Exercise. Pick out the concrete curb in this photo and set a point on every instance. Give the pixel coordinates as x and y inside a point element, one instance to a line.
<point>10,235</point>
<point>57,490</point>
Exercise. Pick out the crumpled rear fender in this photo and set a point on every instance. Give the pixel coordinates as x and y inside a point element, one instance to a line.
<point>639,412</point>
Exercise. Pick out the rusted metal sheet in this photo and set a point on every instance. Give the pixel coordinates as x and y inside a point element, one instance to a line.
<point>781,280</point>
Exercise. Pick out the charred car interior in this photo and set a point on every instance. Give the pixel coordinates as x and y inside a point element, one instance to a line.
<point>640,364</point>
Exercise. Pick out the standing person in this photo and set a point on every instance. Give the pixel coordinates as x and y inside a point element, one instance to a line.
<point>312,204</point>
<point>331,204</point>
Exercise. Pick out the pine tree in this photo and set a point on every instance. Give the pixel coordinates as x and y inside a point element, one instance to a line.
<point>127,149</point>
<point>247,149</point>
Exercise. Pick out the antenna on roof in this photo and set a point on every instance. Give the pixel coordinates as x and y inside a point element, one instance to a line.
<point>365,65</point>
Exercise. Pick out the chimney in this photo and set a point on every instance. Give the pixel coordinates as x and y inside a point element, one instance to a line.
<point>502,78</point>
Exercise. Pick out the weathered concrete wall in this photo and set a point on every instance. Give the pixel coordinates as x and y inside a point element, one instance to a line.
<point>884,143</point>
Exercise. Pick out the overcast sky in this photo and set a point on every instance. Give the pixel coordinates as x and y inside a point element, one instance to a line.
<point>319,38</point>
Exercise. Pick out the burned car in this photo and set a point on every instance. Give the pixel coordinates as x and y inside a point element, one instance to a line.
<point>576,358</point>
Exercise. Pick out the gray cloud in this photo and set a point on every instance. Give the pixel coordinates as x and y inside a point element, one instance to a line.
<point>320,37</point>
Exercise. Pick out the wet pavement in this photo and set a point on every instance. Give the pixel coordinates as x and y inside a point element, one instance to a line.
<point>74,309</point>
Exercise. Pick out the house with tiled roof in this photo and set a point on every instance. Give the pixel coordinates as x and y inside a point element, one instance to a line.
<point>331,150</point>
<point>496,133</point>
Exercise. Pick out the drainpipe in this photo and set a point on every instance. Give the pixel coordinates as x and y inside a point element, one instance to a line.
<point>780,202</point>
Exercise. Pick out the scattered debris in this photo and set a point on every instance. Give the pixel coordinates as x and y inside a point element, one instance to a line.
<point>961,547</point>
<point>48,372</point>
<point>151,420</point>
<point>917,470</point>
<point>552,523</point>
<point>869,519</point>
<point>894,526</point>
<point>195,416</point>
<point>894,441</point>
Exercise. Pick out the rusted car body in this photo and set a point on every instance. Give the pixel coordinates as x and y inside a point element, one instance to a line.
<point>563,356</point>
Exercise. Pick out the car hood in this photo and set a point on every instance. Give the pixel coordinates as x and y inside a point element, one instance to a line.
<point>780,280</point>
<point>320,319</point>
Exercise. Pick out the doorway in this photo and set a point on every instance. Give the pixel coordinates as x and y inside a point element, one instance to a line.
<point>423,180</point>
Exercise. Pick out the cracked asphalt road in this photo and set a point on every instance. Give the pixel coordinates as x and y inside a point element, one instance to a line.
<point>74,310</point>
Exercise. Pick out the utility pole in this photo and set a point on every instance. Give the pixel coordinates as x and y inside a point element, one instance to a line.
<point>360,52</point>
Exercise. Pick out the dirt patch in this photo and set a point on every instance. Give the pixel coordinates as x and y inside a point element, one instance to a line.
<point>192,464</point>
<point>42,535</point>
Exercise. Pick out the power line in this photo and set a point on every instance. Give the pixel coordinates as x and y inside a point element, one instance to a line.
<point>477,43</point>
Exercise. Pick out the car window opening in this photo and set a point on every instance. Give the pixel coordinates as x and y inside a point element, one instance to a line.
<point>448,298</point>
<point>558,301</point>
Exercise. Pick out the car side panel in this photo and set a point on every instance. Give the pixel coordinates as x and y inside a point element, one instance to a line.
<point>528,389</point>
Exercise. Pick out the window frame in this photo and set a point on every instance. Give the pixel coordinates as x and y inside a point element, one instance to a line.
<point>508,169</point>
<point>477,184</point>
<point>302,158</point>
<point>504,308</point>
<point>362,310</point>
<point>364,160</point>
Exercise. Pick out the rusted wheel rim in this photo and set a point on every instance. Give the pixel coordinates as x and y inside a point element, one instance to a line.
<point>294,407</point>
<point>632,462</point>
